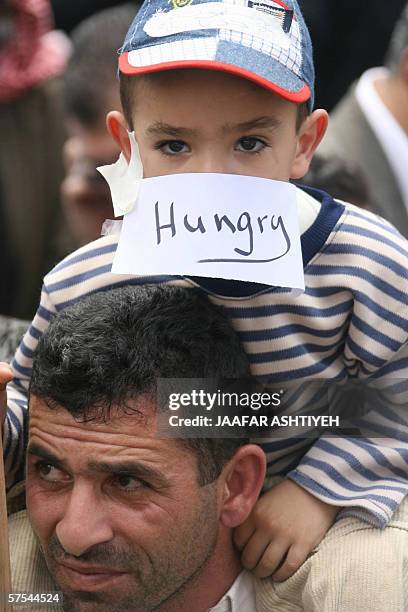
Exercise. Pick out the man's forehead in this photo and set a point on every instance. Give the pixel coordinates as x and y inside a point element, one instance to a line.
<point>137,421</point>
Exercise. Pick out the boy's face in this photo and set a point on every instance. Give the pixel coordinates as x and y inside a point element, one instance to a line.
<point>208,121</point>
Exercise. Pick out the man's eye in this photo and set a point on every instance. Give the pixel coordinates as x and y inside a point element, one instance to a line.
<point>173,147</point>
<point>49,472</point>
<point>250,144</point>
<point>128,483</point>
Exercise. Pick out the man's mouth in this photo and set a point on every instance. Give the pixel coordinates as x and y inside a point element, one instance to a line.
<point>85,577</point>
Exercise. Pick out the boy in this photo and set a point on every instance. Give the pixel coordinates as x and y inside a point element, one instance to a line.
<point>240,101</point>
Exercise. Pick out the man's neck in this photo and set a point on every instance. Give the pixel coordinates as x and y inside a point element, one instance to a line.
<point>208,586</point>
<point>394,95</point>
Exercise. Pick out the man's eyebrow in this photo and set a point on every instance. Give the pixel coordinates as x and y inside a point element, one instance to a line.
<point>159,128</point>
<point>260,122</point>
<point>39,451</point>
<point>130,468</point>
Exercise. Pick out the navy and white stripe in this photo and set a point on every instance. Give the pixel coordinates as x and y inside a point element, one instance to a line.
<point>351,322</point>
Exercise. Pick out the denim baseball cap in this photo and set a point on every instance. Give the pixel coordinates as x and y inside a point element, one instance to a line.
<point>265,41</point>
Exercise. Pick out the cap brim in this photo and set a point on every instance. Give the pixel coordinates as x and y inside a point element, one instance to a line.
<point>301,94</point>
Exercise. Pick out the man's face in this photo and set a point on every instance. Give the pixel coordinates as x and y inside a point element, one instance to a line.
<point>116,509</point>
<point>85,194</point>
<point>207,121</point>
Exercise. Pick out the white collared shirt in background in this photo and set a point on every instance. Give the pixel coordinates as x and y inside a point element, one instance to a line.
<point>240,597</point>
<point>393,139</point>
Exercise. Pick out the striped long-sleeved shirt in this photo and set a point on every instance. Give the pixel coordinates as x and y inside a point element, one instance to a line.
<point>351,322</point>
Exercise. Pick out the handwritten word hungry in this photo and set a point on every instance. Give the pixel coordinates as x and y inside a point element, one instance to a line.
<point>167,225</point>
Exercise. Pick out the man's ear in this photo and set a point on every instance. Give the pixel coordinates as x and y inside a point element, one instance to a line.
<point>242,480</point>
<point>117,128</point>
<point>310,135</point>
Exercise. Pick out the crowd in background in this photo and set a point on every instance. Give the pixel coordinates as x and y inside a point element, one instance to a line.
<point>58,80</point>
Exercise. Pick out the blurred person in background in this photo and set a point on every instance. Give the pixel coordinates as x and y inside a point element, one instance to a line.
<point>11,333</point>
<point>339,177</point>
<point>8,276</point>
<point>68,13</point>
<point>91,89</point>
<point>31,57</point>
<point>348,38</point>
<point>369,128</point>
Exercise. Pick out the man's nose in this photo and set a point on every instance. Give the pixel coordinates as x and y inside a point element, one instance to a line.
<point>85,522</point>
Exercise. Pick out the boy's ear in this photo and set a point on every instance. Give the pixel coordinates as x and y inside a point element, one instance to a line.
<point>242,480</point>
<point>310,135</point>
<point>117,128</point>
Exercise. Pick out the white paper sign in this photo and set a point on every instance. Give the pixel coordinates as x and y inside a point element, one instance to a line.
<point>213,225</point>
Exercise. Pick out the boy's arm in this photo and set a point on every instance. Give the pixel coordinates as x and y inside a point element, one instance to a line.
<point>367,476</point>
<point>15,424</point>
<point>6,375</point>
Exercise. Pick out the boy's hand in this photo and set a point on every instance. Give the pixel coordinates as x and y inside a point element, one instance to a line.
<point>6,375</point>
<point>283,528</point>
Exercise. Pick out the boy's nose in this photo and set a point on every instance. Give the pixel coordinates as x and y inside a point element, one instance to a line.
<point>213,163</point>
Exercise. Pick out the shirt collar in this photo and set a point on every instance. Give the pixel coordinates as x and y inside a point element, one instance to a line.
<point>240,597</point>
<point>389,133</point>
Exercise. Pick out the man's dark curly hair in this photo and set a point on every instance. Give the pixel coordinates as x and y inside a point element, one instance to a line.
<point>113,346</point>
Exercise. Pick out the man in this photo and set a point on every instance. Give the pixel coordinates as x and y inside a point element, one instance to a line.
<point>126,520</point>
<point>91,89</point>
<point>369,127</point>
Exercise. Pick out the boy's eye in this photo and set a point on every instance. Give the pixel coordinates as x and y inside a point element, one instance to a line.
<point>126,482</point>
<point>173,147</point>
<point>250,144</point>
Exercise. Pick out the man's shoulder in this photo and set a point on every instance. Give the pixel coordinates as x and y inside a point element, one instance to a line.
<point>349,134</point>
<point>28,569</point>
<point>347,109</point>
